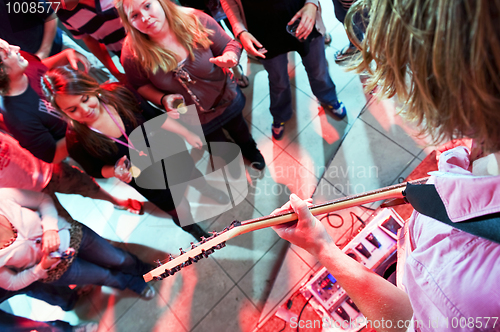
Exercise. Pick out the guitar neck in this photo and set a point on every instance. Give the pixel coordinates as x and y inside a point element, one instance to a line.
<point>218,240</point>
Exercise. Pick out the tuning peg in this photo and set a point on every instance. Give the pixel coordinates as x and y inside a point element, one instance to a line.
<point>187,263</point>
<point>182,251</point>
<point>235,223</point>
<point>203,239</point>
<point>220,245</point>
<point>170,257</point>
<point>165,274</point>
<point>193,245</point>
<point>157,262</point>
<point>175,269</point>
<point>159,278</point>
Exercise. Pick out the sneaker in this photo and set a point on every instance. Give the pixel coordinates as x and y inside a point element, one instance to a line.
<point>216,194</point>
<point>148,293</point>
<point>196,231</point>
<point>345,54</point>
<point>252,154</point>
<point>338,111</point>
<point>328,38</point>
<point>278,130</point>
<point>86,327</point>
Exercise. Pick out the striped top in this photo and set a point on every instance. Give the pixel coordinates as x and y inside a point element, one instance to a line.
<point>101,23</point>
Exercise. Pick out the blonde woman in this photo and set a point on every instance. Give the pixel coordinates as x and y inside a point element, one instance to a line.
<point>172,52</point>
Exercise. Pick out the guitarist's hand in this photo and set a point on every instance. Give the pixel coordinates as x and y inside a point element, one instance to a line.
<point>308,232</point>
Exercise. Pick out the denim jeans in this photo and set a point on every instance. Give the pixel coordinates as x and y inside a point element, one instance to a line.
<point>12,323</point>
<point>99,263</point>
<point>61,296</point>
<point>359,20</point>
<point>279,83</point>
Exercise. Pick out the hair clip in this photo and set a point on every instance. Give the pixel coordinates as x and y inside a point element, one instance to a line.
<point>47,87</point>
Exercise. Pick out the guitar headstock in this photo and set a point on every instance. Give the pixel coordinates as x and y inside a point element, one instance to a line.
<point>197,251</point>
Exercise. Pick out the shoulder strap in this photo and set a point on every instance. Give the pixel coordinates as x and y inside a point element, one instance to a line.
<point>425,200</point>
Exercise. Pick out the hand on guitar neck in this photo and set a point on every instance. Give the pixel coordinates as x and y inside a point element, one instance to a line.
<point>308,232</point>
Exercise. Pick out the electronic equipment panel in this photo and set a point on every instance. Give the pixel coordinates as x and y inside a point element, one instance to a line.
<point>372,246</point>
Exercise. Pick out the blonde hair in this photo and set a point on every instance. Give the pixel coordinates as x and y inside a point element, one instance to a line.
<point>187,28</point>
<point>442,57</point>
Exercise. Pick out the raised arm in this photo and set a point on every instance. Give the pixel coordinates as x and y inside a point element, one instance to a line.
<point>376,297</point>
<point>236,17</point>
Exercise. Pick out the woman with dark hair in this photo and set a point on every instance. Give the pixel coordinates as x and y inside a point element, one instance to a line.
<point>182,52</point>
<point>102,117</point>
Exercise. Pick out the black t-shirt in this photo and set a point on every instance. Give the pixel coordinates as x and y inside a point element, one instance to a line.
<point>267,21</point>
<point>160,172</point>
<point>31,119</point>
<point>22,24</point>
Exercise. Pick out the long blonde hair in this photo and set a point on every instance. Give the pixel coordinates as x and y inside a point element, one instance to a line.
<point>187,28</point>
<point>442,57</point>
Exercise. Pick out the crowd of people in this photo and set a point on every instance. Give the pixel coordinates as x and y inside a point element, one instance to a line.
<point>441,58</point>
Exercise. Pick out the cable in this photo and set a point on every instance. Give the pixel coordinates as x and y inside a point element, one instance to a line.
<point>301,311</point>
<point>327,216</point>
<point>351,229</point>
<point>284,327</point>
<point>357,217</point>
<point>367,208</point>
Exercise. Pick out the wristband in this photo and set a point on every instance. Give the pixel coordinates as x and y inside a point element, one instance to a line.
<point>161,100</point>
<point>238,36</point>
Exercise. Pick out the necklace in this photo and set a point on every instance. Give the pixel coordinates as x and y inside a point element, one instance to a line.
<point>128,144</point>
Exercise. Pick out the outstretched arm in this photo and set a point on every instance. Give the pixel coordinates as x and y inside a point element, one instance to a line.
<point>68,56</point>
<point>156,96</point>
<point>376,297</point>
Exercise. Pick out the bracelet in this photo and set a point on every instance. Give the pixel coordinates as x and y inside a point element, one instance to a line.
<point>238,36</point>
<point>161,100</point>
